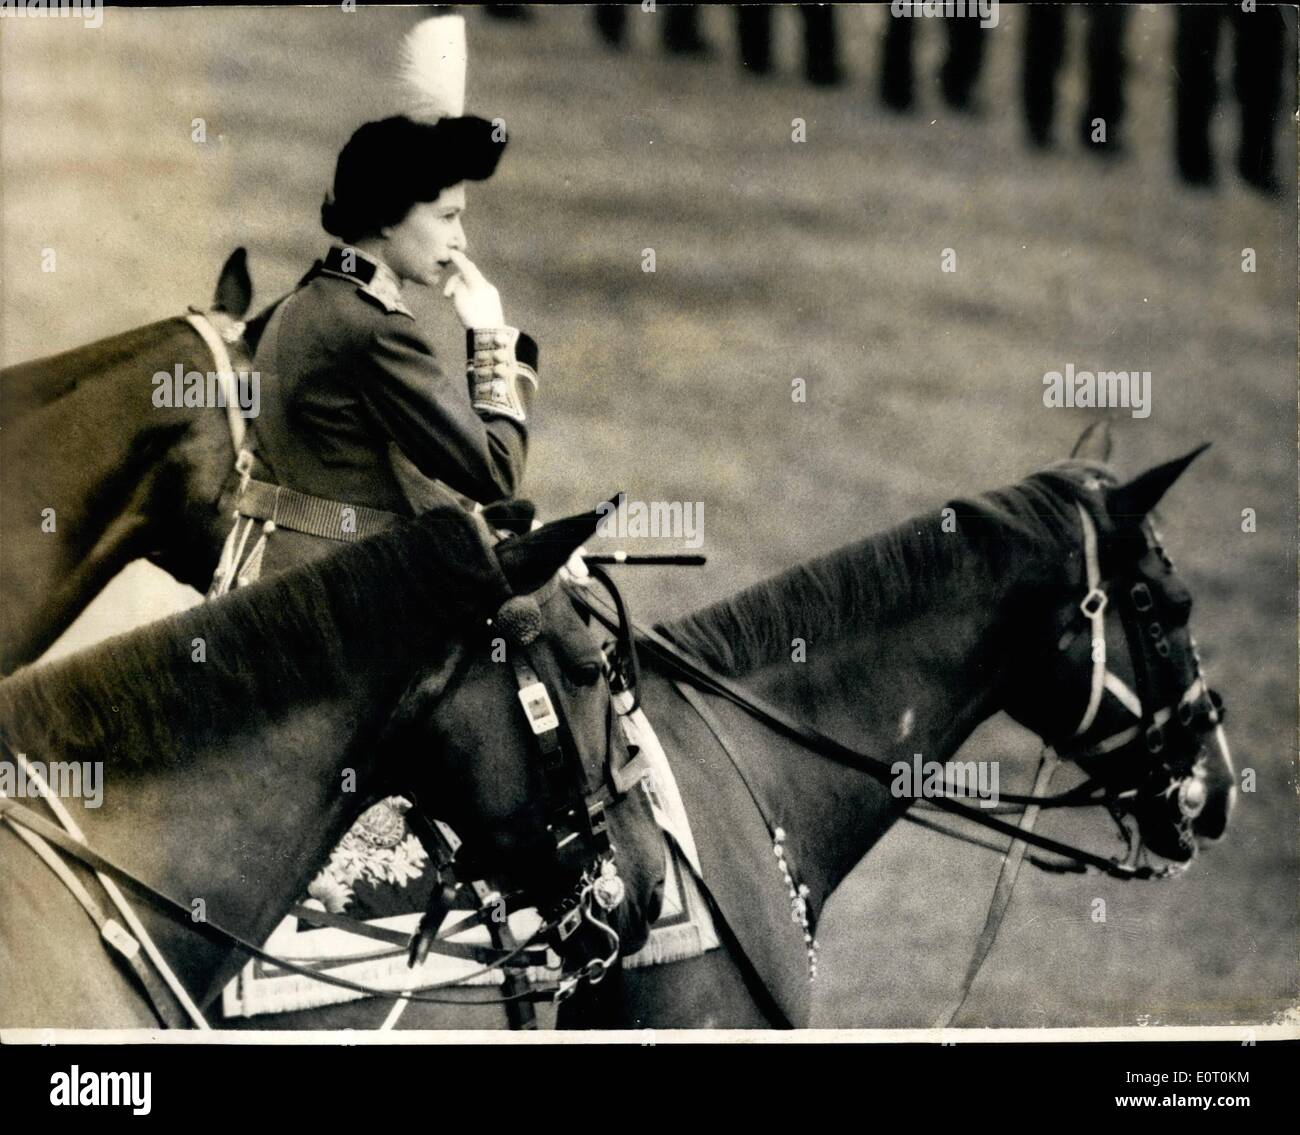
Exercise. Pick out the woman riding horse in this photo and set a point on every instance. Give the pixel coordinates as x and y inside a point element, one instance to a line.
<point>346,369</point>
<point>360,423</point>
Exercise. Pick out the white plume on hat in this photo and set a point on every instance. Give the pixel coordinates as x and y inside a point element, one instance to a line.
<point>431,69</point>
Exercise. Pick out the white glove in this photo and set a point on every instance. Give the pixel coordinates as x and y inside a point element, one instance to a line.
<point>477,303</point>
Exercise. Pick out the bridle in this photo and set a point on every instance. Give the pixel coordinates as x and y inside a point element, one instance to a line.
<point>1169,717</point>
<point>1171,720</point>
<point>1162,727</point>
<point>575,803</point>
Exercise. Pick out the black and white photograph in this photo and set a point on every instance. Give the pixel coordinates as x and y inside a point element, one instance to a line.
<point>648,523</point>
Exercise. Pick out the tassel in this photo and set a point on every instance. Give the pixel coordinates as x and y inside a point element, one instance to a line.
<point>221,578</point>
<point>251,572</point>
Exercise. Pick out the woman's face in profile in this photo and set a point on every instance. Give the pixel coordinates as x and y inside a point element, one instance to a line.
<point>418,247</point>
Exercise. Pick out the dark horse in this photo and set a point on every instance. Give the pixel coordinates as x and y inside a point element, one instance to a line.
<point>97,475</point>
<point>242,737</point>
<point>913,638</point>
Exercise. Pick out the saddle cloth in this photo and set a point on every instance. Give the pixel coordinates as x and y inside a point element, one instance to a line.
<point>683,930</point>
<point>685,927</point>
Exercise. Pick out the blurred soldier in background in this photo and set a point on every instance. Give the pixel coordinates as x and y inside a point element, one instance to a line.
<point>958,75</point>
<point>1259,45</point>
<point>682,36</point>
<point>821,65</point>
<point>680,26</point>
<point>1045,34</point>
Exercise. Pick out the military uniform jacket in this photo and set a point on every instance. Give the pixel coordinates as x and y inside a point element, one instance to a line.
<point>345,371</point>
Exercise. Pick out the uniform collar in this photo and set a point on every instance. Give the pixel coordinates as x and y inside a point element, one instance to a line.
<point>371,275</point>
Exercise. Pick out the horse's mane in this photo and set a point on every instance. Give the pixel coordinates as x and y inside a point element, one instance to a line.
<point>27,386</point>
<point>386,603</point>
<point>868,583</point>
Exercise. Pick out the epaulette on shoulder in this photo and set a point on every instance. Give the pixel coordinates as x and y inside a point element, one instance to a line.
<point>375,283</point>
<point>386,296</point>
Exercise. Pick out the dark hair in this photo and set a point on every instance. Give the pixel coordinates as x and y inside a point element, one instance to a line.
<point>390,165</point>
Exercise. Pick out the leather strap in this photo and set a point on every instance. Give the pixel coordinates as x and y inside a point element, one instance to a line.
<point>315,516</point>
<point>681,665</point>
<point>117,936</point>
<point>1093,607</point>
<point>225,373</point>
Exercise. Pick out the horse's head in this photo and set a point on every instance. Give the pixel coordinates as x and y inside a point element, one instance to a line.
<point>1114,681</point>
<point>518,750</point>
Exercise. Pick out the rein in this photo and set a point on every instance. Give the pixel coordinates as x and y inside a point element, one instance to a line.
<point>685,667</point>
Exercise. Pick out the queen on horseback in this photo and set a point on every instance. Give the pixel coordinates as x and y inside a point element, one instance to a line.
<point>361,423</point>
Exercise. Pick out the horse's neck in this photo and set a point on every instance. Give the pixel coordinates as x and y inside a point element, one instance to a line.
<point>237,830</point>
<point>919,684</point>
<point>101,476</point>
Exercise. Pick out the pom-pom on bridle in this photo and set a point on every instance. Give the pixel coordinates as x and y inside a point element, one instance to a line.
<point>519,619</point>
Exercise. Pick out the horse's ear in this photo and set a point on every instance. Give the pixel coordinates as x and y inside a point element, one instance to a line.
<point>529,561</point>
<point>234,285</point>
<point>1094,444</point>
<point>1130,502</point>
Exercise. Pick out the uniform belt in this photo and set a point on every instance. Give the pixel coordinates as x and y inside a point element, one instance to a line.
<point>316,516</point>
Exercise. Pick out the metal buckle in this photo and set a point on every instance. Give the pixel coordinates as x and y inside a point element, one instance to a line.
<point>541,715</point>
<point>569,923</point>
<point>1155,738</point>
<point>244,467</point>
<point>1142,600</point>
<point>1094,603</point>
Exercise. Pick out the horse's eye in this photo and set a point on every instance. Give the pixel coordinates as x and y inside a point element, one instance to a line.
<point>584,673</point>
